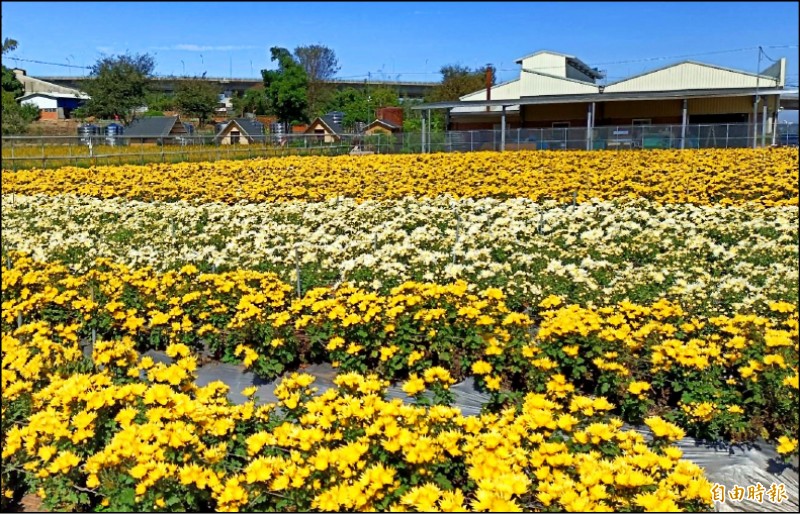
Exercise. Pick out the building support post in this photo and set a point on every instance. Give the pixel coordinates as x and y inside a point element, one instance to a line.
<point>764,125</point>
<point>430,131</point>
<point>754,121</point>
<point>589,126</point>
<point>683,123</point>
<point>422,135</point>
<point>503,129</point>
<point>774,127</point>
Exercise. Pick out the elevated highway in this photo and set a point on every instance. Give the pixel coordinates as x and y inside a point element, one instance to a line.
<point>411,90</point>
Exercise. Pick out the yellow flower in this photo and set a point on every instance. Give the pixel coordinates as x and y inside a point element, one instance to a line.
<point>638,387</point>
<point>786,445</point>
<point>492,383</point>
<point>249,391</point>
<point>414,385</point>
<point>387,352</point>
<point>415,356</point>
<point>481,368</point>
<point>334,344</point>
<point>550,301</point>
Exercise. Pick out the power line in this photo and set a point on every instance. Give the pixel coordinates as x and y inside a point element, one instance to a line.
<point>629,61</point>
<point>646,59</point>
<point>50,63</point>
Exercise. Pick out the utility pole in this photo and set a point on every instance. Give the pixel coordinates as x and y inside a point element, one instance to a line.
<point>756,100</point>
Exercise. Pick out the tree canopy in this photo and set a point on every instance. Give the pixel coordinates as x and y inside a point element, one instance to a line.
<point>458,81</point>
<point>10,82</point>
<point>196,98</point>
<point>15,117</point>
<point>158,101</point>
<point>253,101</point>
<point>321,65</point>
<point>117,85</point>
<point>360,105</point>
<point>286,88</point>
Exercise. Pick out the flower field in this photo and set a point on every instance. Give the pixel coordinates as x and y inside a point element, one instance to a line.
<point>580,290</point>
<point>16,155</point>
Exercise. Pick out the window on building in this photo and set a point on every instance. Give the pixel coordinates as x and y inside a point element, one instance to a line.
<point>235,134</point>
<point>320,133</point>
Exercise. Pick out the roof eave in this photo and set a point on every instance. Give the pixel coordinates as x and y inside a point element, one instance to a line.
<point>603,97</point>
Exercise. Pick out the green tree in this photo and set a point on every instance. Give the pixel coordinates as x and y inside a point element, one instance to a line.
<point>9,45</point>
<point>360,105</point>
<point>253,100</point>
<point>286,88</point>
<point>16,117</point>
<point>10,82</point>
<point>320,64</point>
<point>196,98</point>
<point>158,101</point>
<point>458,81</point>
<point>117,85</point>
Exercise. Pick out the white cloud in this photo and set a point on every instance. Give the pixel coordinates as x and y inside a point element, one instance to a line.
<point>205,48</point>
<point>105,49</point>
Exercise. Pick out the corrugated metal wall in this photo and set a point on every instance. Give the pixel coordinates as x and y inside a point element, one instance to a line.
<point>507,91</point>
<point>688,76</point>
<point>733,105</point>
<point>532,84</point>
<point>547,63</point>
<point>649,109</point>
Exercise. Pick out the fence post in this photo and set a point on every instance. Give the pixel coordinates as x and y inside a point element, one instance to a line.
<point>422,136</point>
<point>94,329</point>
<point>458,229</point>
<point>470,141</point>
<point>13,160</point>
<point>297,267</point>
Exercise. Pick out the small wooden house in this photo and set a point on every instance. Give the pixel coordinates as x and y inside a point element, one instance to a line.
<point>241,131</point>
<point>326,130</point>
<point>381,127</point>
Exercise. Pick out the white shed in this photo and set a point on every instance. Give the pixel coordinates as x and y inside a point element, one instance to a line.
<point>54,105</point>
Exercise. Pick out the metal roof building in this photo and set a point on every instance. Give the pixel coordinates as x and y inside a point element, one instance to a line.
<point>556,90</point>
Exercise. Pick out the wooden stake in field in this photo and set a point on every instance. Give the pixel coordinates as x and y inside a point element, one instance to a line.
<point>297,267</point>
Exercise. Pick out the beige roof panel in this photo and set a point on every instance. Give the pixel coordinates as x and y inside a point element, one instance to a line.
<point>691,75</point>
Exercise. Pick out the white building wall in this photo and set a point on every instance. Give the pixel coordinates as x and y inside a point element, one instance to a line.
<point>689,76</point>
<point>534,84</point>
<point>552,64</point>
<point>505,91</point>
<point>42,102</point>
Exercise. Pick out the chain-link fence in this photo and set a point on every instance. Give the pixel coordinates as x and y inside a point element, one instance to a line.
<point>23,152</point>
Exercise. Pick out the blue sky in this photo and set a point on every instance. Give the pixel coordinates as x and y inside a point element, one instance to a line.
<point>405,40</point>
